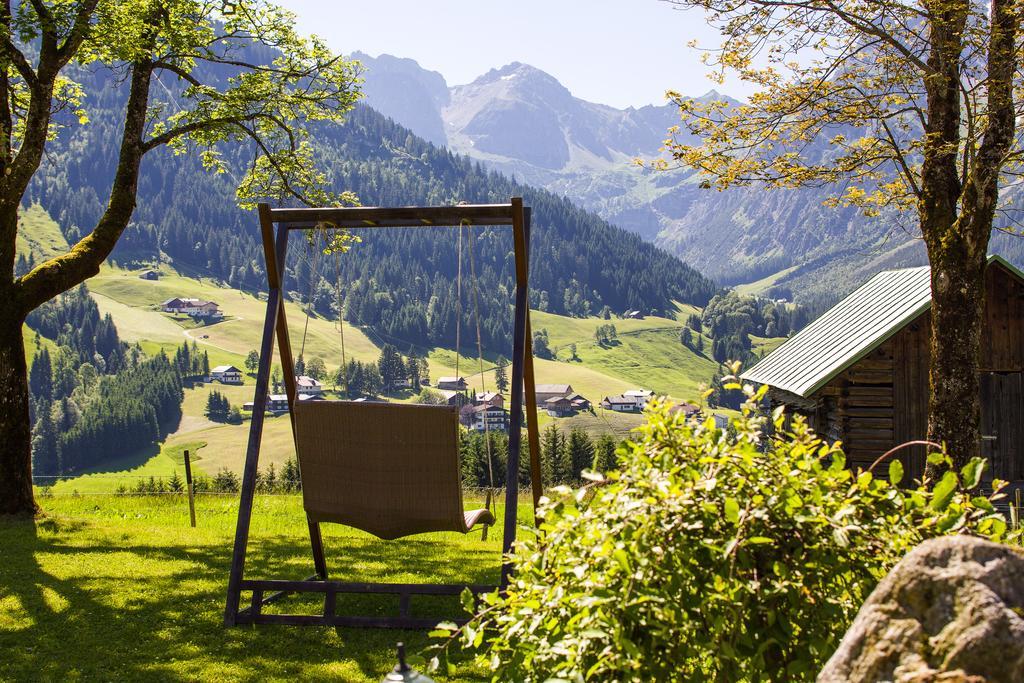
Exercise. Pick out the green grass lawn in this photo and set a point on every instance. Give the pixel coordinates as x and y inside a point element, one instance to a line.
<point>121,588</point>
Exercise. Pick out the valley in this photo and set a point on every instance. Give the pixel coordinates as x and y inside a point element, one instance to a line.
<point>646,353</point>
<point>585,273</point>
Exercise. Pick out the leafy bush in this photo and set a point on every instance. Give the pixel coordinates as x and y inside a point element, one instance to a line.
<point>711,555</point>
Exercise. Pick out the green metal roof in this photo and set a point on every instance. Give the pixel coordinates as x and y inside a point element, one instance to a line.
<point>850,330</point>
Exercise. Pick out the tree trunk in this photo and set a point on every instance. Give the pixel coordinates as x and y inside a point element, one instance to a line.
<point>15,427</point>
<point>957,312</point>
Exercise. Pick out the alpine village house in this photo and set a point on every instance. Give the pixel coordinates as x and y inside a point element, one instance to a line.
<point>859,373</point>
<point>197,308</point>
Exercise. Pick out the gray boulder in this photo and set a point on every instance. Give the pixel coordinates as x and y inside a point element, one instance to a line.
<point>951,610</point>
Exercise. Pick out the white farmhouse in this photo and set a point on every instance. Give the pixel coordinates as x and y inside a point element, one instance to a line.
<point>307,386</point>
<point>226,374</point>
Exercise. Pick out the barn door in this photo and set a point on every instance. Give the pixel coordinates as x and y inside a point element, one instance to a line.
<point>1001,429</point>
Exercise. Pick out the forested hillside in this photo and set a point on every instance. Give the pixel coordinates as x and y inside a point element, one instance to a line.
<point>94,397</point>
<point>400,283</point>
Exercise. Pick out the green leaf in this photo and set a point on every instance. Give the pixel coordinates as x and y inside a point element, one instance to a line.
<point>972,472</point>
<point>622,558</point>
<point>468,601</point>
<point>895,472</point>
<point>732,510</point>
<point>838,461</point>
<point>936,458</point>
<point>948,521</point>
<point>983,503</point>
<point>944,490</point>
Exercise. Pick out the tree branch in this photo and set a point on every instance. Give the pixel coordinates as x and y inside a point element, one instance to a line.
<point>63,272</point>
<point>78,33</point>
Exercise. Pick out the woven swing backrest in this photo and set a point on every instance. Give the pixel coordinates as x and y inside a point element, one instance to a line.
<point>389,469</point>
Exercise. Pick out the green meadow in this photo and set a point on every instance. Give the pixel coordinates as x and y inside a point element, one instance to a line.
<point>121,588</point>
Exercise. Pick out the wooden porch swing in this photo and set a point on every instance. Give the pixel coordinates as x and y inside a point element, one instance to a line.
<point>389,469</point>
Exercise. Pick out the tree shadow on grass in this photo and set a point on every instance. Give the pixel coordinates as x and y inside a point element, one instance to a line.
<point>97,608</point>
<point>116,465</point>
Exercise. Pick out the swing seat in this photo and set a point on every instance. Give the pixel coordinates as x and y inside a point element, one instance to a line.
<point>389,469</point>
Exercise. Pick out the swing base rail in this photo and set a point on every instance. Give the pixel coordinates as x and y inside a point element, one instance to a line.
<point>266,591</point>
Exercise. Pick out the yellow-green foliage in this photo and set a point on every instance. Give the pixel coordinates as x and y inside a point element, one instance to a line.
<point>713,555</point>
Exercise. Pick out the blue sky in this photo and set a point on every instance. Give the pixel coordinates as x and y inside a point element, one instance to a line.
<point>617,52</point>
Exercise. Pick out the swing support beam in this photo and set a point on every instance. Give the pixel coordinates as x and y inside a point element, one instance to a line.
<point>275,247</point>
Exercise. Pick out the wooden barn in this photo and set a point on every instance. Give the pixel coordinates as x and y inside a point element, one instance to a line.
<point>859,373</point>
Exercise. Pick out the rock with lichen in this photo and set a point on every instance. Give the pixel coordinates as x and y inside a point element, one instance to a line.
<point>952,611</point>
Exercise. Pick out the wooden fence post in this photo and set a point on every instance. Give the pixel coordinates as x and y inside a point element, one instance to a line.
<point>191,491</point>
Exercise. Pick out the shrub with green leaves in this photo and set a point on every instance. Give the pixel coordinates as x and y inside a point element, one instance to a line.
<point>710,556</point>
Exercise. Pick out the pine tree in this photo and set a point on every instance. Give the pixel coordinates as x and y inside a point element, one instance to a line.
<point>225,481</point>
<point>581,452</point>
<point>290,476</point>
<point>45,448</point>
<point>40,378</point>
<point>412,369</point>
<point>390,366</point>
<point>271,479</point>
<point>555,465</point>
<point>604,454</point>
<point>500,375</point>
<point>218,408</point>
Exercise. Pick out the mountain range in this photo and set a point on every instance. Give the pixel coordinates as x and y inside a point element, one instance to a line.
<point>403,286</point>
<point>521,121</point>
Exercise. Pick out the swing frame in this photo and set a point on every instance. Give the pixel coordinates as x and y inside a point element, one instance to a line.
<point>275,249</point>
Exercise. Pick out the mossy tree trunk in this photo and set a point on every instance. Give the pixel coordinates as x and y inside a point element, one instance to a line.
<point>956,220</point>
<point>20,296</point>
